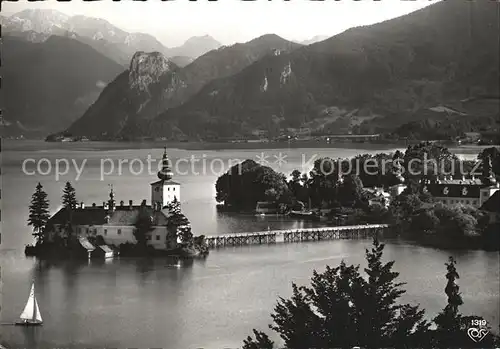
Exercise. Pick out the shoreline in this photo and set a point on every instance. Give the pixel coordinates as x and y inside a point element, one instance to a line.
<point>40,145</point>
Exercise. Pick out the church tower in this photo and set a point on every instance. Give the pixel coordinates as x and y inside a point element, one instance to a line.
<point>165,190</point>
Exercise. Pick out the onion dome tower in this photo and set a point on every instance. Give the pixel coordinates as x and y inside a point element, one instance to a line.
<point>165,174</point>
<point>165,190</point>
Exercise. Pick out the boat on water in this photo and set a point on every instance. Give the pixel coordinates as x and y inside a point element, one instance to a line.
<point>301,213</point>
<point>31,314</point>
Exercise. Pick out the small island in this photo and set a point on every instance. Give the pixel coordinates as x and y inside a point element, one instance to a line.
<point>110,229</point>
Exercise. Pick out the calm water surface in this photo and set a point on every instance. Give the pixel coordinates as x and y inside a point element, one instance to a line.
<point>203,304</point>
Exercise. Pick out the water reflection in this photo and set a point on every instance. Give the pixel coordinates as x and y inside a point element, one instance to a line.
<point>31,335</point>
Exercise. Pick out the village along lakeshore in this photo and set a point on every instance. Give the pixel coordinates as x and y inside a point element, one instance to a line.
<point>407,207</point>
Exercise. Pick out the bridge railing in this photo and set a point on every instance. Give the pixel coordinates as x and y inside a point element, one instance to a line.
<point>291,235</point>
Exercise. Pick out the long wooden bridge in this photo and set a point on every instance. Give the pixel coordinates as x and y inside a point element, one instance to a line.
<point>295,235</point>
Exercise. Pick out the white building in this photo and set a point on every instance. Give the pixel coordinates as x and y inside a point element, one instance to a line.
<point>117,223</point>
<point>473,191</point>
<point>467,191</point>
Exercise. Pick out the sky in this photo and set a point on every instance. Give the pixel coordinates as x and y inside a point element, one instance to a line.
<point>231,21</point>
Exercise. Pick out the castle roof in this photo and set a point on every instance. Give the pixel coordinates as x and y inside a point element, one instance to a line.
<point>493,203</point>
<point>476,181</point>
<point>121,216</point>
<point>80,216</point>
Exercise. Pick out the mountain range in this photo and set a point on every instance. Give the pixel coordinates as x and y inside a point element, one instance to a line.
<point>374,78</point>
<point>37,25</point>
<point>55,66</point>
<point>378,78</point>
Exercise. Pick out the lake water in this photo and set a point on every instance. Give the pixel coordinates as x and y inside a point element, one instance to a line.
<point>213,303</point>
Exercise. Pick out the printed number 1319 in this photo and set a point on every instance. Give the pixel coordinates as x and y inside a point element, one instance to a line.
<point>478,322</point>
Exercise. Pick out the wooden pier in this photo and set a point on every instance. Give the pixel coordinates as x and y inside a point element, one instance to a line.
<point>295,235</point>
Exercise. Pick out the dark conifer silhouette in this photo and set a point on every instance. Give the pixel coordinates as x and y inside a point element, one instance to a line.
<point>69,196</point>
<point>178,222</point>
<point>342,309</point>
<point>39,212</point>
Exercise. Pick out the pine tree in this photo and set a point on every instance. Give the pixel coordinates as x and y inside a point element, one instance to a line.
<point>178,222</point>
<point>341,309</point>
<point>261,341</point>
<point>384,322</point>
<point>449,320</point>
<point>69,196</point>
<point>39,212</point>
<point>69,203</point>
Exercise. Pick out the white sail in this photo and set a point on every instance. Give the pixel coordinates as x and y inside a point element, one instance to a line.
<point>31,311</point>
<point>37,315</point>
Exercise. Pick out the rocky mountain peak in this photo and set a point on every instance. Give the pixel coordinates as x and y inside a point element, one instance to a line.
<point>147,68</point>
<point>39,20</point>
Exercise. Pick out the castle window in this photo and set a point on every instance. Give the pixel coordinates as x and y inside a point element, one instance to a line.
<point>173,188</point>
<point>467,202</point>
<point>119,232</point>
<point>88,230</point>
<point>168,188</point>
<point>157,237</point>
<point>105,231</point>
<point>445,202</point>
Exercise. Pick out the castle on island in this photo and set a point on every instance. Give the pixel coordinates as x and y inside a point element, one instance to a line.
<point>116,223</point>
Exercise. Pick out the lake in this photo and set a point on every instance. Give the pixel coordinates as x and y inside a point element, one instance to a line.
<point>212,303</point>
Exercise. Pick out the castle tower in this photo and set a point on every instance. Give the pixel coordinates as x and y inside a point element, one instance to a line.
<point>165,190</point>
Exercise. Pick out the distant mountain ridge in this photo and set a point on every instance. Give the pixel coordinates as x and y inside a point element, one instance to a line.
<point>195,47</point>
<point>106,38</point>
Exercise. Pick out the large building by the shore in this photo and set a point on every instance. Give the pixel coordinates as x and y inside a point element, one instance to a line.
<point>467,191</point>
<point>116,223</point>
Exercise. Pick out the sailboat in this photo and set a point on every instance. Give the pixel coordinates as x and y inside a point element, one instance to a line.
<point>31,314</point>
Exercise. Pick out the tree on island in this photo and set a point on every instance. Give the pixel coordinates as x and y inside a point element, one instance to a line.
<point>69,196</point>
<point>39,212</point>
<point>342,308</point>
<point>69,203</point>
<point>178,222</point>
<point>143,225</point>
<point>246,183</point>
